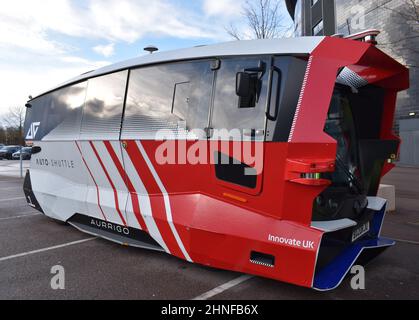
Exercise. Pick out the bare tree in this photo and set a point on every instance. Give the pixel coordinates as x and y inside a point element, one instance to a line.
<point>264,20</point>
<point>13,122</point>
<point>3,135</point>
<point>407,14</point>
<point>15,117</point>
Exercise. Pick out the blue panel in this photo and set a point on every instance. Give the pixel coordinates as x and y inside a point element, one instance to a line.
<point>377,222</point>
<point>332,275</point>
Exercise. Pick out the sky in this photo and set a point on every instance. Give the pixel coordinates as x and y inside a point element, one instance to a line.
<point>46,42</point>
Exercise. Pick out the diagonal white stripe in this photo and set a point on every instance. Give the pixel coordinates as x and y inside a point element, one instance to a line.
<point>117,180</point>
<point>145,205</point>
<point>166,201</point>
<point>107,199</point>
<point>300,99</point>
<point>94,205</point>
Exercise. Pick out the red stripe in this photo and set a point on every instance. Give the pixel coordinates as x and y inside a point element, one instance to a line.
<point>94,181</point>
<point>115,193</point>
<point>129,185</point>
<point>156,198</point>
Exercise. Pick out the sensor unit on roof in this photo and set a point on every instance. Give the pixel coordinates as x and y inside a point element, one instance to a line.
<point>368,36</point>
<point>151,49</point>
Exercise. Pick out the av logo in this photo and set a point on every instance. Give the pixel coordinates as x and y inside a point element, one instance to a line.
<point>33,130</point>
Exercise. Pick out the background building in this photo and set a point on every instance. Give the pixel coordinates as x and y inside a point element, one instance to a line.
<point>399,24</point>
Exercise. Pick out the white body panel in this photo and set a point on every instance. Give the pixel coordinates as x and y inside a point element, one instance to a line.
<point>106,202</point>
<point>83,187</point>
<point>64,186</point>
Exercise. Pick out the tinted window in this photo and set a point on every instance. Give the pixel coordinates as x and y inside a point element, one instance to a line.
<point>65,112</point>
<point>233,171</point>
<point>57,115</point>
<point>103,107</point>
<point>173,96</point>
<point>36,121</point>
<point>226,112</point>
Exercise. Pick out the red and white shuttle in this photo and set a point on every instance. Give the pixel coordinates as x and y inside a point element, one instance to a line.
<point>262,157</point>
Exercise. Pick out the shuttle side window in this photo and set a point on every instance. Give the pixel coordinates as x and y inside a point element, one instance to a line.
<point>167,98</point>
<point>56,115</point>
<point>36,120</point>
<point>228,110</point>
<point>104,106</point>
<point>65,112</point>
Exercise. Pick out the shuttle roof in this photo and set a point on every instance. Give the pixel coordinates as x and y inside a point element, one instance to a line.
<point>294,46</point>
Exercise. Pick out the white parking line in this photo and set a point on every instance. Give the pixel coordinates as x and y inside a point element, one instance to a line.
<point>10,188</point>
<point>21,216</point>
<point>406,241</point>
<point>11,199</point>
<point>45,249</point>
<point>223,287</point>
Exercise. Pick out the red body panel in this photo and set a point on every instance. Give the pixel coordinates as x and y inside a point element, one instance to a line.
<point>220,223</point>
<point>221,232</point>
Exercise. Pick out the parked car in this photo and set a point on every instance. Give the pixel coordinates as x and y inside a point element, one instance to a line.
<point>26,154</point>
<point>7,152</point>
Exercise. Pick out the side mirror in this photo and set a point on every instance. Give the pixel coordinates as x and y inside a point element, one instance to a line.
<point>248,88</point>
<point>36,150</point>
<point>243,84</point>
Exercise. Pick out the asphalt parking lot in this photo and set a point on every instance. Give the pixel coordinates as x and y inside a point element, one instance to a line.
<point>31,244</point>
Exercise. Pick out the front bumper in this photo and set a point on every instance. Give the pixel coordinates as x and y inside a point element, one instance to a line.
<point>362,251</point>
<point>29,195</point>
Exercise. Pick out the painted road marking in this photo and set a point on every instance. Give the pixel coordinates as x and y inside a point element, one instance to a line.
<point>23,254</point>
<point>11,199</point>
<point>406,241</point>
<point>10,188</point>
<point>223,287</point>
<point>21,216</point>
